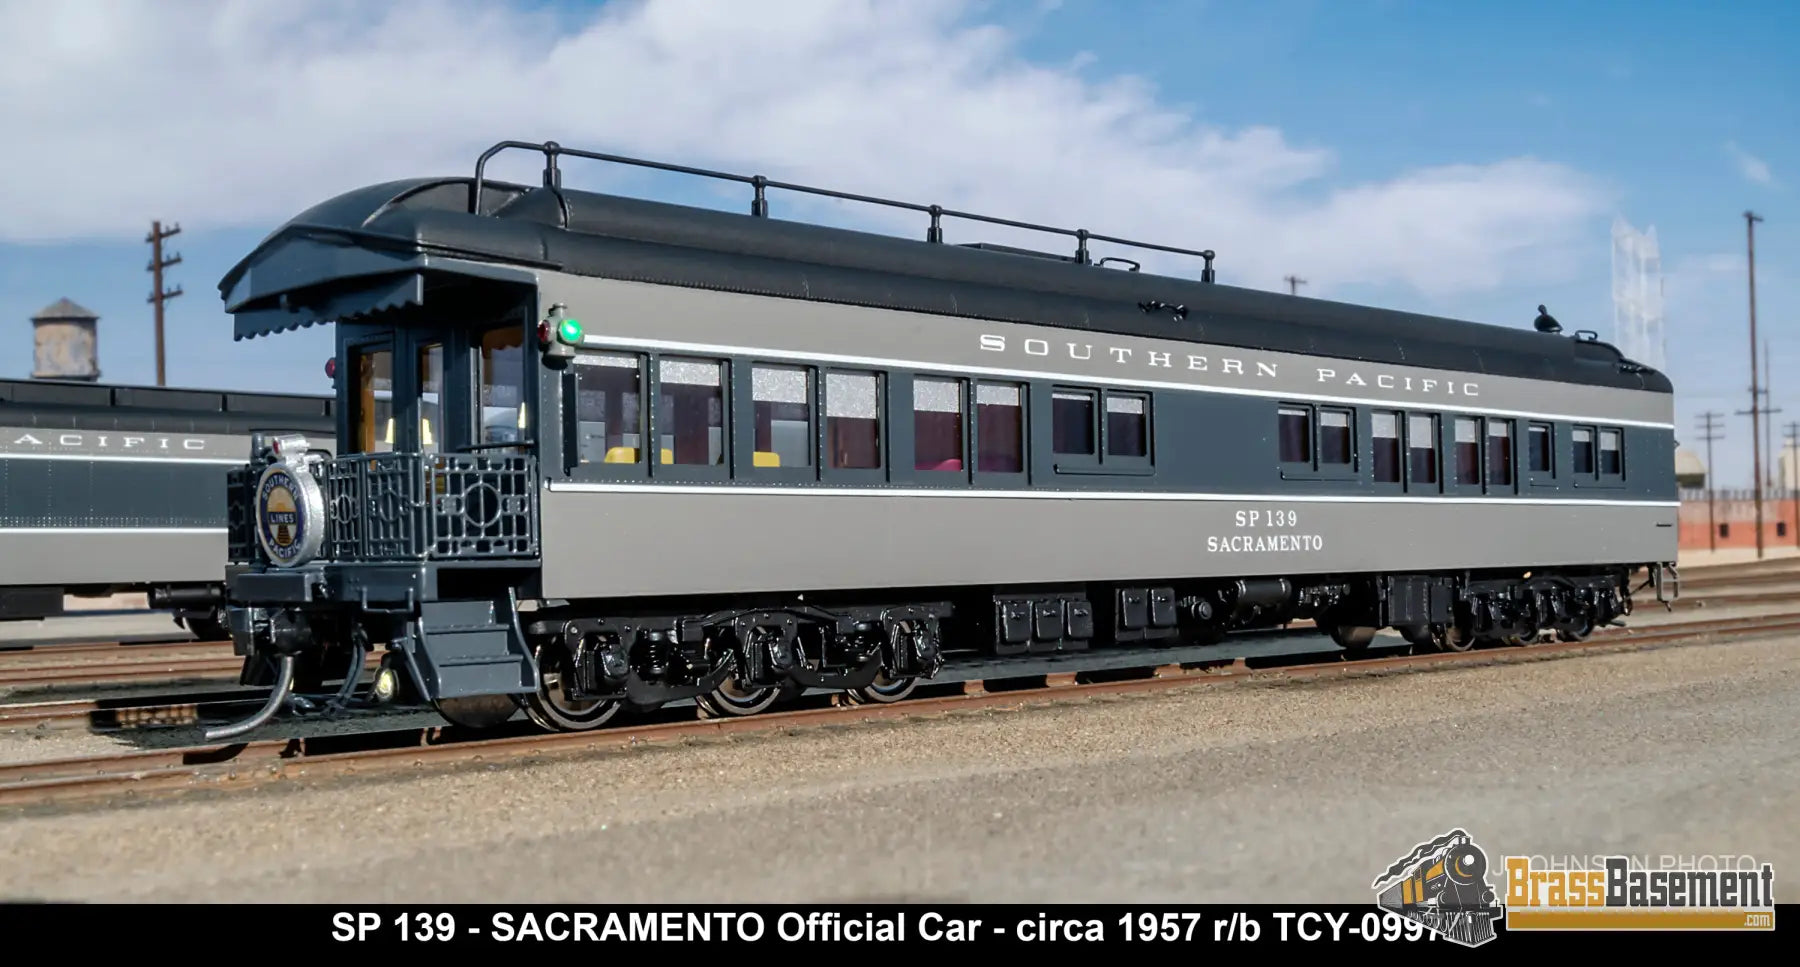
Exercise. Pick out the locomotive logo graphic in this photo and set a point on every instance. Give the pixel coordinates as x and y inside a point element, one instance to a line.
<point>289,514</point>
<point>1442,884</point>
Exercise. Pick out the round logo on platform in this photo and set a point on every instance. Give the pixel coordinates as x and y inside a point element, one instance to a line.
<point>289,515</point>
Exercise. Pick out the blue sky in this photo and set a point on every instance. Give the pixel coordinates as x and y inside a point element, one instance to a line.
<point>1381,150</point>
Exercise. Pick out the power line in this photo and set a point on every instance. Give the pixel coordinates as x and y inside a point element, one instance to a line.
<point>1294,284</point>
<point>1709,433</point>
<point>159,295</point>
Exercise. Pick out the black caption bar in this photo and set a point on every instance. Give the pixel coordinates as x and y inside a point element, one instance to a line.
<point>954,926</point>
<point>354,927</point>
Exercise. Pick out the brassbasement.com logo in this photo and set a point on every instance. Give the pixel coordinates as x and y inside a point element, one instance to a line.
<point>1625,893</point>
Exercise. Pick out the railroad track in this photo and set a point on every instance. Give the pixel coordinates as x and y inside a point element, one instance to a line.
<point>1741,599</point>
<point>17,646</point>
<point>1747,580</point>
<point>1767,565</point>
<point>103,665</point>
<point>30,666</point>
<point>171,669</point>
<point>110,664</point>
<point>189,709</point>
<point>113,715</point>
<point>15,650</point>
<point>249,764</point>
<point>1691,573</point>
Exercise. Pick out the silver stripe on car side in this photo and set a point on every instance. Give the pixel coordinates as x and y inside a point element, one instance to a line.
<point>111,458</point>
<point>112,530</point>
<point>977,493</point>
<point>625,342</point>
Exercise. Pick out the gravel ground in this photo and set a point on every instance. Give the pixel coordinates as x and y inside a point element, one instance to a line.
<point>1292,793</point>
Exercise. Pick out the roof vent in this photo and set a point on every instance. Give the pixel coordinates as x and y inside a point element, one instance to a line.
<point>1179,312</point>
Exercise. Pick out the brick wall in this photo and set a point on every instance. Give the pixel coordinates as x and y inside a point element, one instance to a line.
<point>1734,519</point>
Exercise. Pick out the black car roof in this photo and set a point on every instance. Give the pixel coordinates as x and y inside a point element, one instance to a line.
<point>601,235</point>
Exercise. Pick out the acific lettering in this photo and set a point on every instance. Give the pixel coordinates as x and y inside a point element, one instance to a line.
<point>1410,384</point>
<point>106,441</point>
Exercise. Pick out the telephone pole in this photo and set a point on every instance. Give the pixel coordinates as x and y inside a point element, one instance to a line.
<point>1765,482</point>
<point>1769,408</point>
<point>1710,431</point>
<point>1294,284</point>
<point>1793,455</point>
<point>158,294</point>
<point>1750,220</point>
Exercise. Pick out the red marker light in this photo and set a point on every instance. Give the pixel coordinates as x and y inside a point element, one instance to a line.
<point>331,368</point>
<point>544,331</point>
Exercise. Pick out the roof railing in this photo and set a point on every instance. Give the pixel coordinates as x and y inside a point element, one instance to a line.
<point>759,205</point>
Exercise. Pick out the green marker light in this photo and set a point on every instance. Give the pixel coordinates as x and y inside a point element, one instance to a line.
<point>570,330</point>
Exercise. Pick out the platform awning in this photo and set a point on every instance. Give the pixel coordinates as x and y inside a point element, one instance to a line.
<point>347,301</point>
<point>304,276</point>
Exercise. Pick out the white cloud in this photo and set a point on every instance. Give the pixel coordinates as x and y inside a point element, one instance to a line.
<point>244,112</point>
<point>1753,169</point>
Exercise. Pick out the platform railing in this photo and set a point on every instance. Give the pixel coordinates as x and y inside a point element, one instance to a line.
<point>431,506</point>
<point>396,507</point>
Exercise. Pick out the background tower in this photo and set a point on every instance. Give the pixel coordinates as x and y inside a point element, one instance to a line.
<point>67,343</point>
<point>1637,291</point>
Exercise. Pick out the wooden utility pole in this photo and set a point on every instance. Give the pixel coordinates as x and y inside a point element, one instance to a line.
<point>1766,489</point>
<point>1793,455</point>
<point>158,294</point>
<point>1750,220</point>
<point>1710,432</point>
<point>1294,284</point>
<point>1769,410</point>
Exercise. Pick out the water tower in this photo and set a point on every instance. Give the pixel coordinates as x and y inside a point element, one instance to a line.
<point>67,342</point>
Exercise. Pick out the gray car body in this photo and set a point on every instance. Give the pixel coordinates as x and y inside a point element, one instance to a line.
<point>1216,360</point>
<point>1216,477</point>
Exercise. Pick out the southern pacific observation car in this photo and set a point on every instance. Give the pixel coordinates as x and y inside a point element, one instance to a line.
<point>648,452</point>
